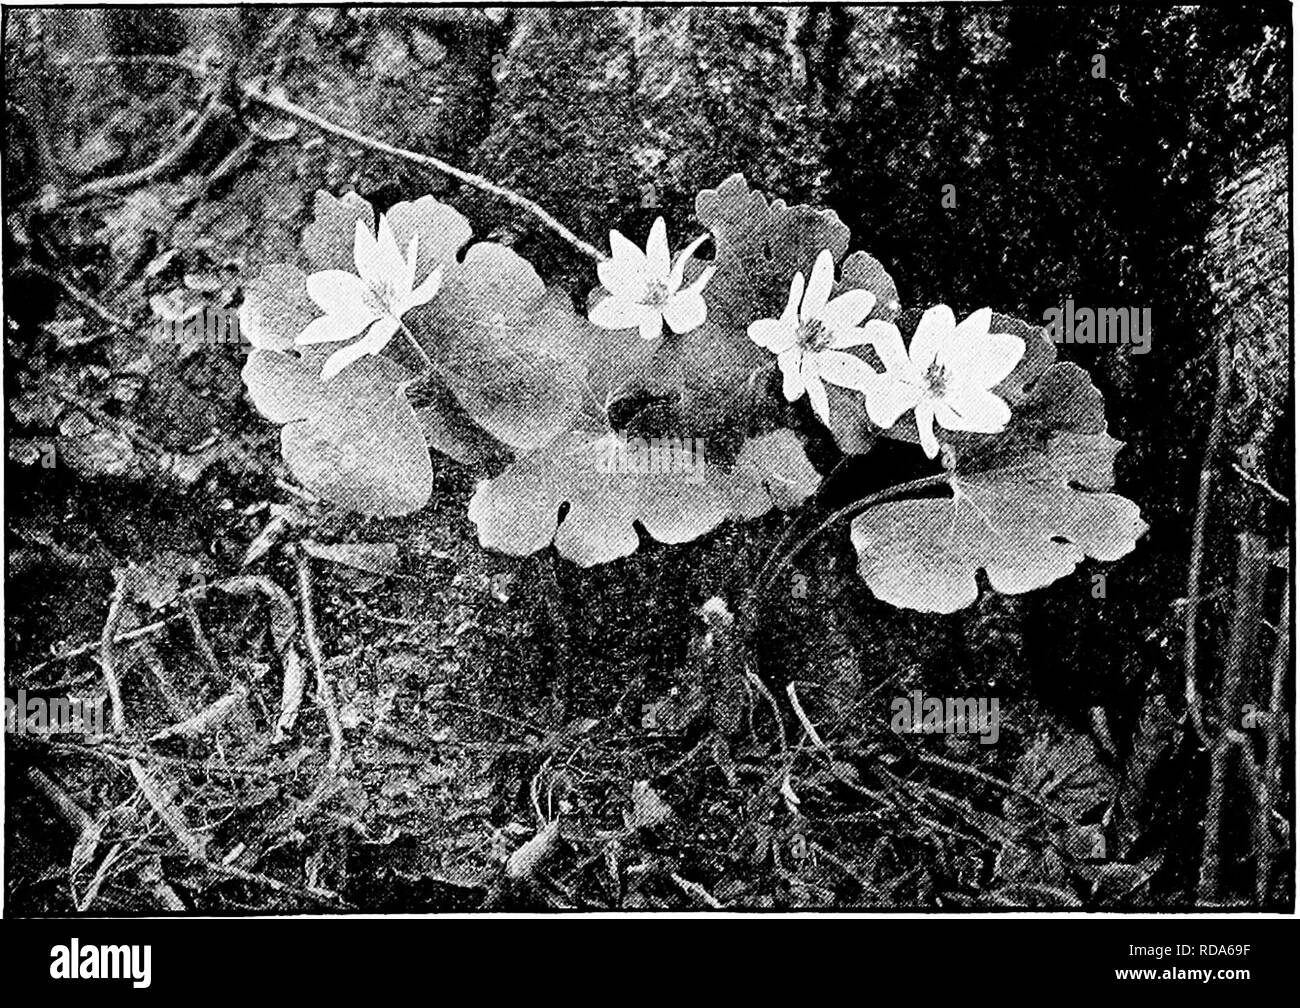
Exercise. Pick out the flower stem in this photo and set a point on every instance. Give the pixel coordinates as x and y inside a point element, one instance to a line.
<point>774,566</point>
<point>429,367</point>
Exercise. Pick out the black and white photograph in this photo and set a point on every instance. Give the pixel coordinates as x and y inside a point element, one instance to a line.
<point>669,460</point>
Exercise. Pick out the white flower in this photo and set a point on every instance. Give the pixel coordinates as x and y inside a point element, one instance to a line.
<point>945,375</point>
<point>371,301</point>
<point>810,337</point>
<point>645,288</point>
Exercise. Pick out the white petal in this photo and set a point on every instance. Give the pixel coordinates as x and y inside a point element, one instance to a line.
<point>792,380</point>
<point>972,409</point>
<point>656,250</point>
<point>790,316</point>
<point>616,313</point>
<point>773,335</point>
<point>622,277</point>
<point>369,344</point>
<point>685,311</point>
<point>849,309</point>
<point>845,370</point>
<point>393,267</point>
<point>626,251</point>
<point>652,323</point>
<point>846,339</point>
<point>365,253</point>
<point>330,329</point>
<point>703,279</point>
<point>887,399</point>
<point>339,292</point>
<point>408,275</point>
<point>888,344</point>
<point>817,397</point>
<point>925,427</point>
<point>819,287</point>
<point>935,330</point>
<point>976,324</point>
<point>983,360</point>
<point>423,294</point>
<point>684,258</point>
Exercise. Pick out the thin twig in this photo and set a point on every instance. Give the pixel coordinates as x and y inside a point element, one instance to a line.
<point>698,891</point>
<point>201,640</point>
<point>1191,689</point>
<point>283,105</point>
<point>149,172</point>
<point>772,569</point>
<point>82,298</point>
<point>324,692</point>
<point>1281,498</point>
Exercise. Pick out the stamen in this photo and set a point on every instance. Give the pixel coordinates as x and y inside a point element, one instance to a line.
<point>815,335</point>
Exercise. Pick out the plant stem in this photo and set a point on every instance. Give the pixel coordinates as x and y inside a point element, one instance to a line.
<point>288,108</point>
<point>1191,690</point>
<point>772,569</point>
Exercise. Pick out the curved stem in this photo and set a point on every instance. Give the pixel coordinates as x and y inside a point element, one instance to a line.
<point>773,570</point>
<point>288,108</point>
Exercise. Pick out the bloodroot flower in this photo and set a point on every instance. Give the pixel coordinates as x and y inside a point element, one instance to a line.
<point>810,337</point>
<point>945,375</point>
<point>645,288</point>
<point>371,301</point>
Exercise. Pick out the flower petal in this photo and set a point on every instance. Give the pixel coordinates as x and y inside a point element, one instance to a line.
<point>339,292</point>
<point>925,427</point>
<point>622,277</point>
<point>408,274</point>
<point>849,309</point>
<point>681,262</point>
<point>846,370</point>
<point>330,329</point>
<point>792,378</point>
<point>616,313</point>
<point>985,360</point>
<point>703,279</point>
<point>887,341</point>
<point>819,286</point>
<point>790,316</point>
<point>626,251</point>
<point>685,311</point>
<point>365,253</point>
<point>392,266</point>
<point>773,334</point>
<point>972,409</point>
<point>935,330</point>
<point>652,323</point>
<point>423,294</point>
<point>656,250</point>
<point>369,344</point>
<point>817,397</point>
<point>887,399</point>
